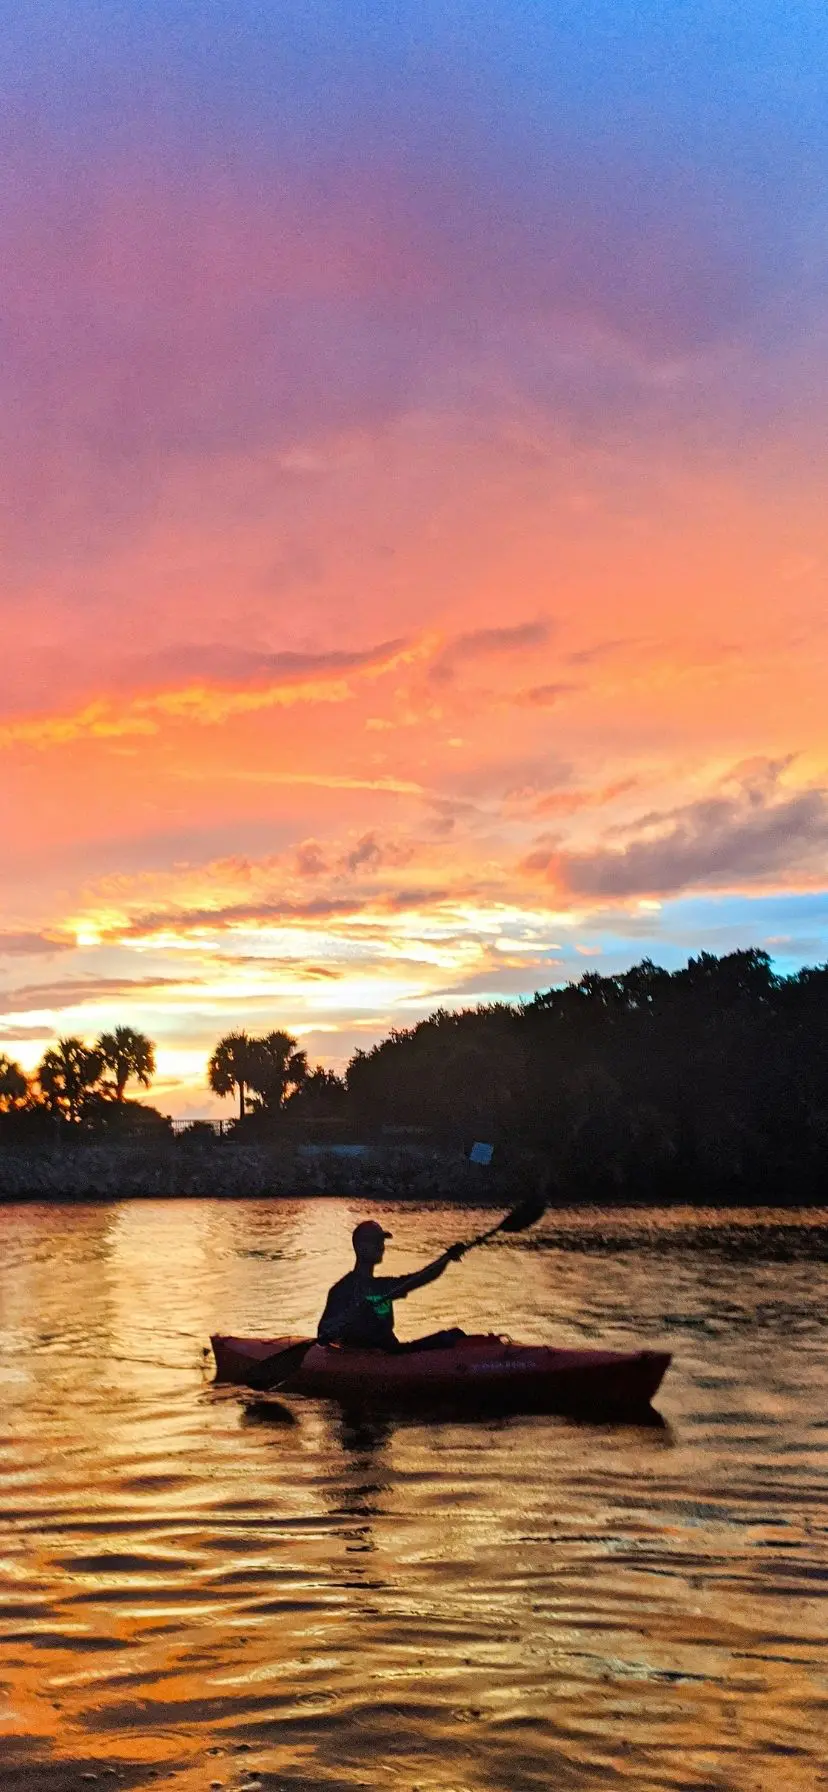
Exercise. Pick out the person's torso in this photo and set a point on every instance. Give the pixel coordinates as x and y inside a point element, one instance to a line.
<point>363,1306</point>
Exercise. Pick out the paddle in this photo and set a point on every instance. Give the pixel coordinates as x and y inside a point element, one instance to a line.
<point>274,1371</point>
<point>526,1214</point>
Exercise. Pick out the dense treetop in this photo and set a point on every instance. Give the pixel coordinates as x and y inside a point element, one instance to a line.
<point>704,1081</point>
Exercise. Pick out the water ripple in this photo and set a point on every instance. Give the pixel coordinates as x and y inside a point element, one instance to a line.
<point>199,1589</point>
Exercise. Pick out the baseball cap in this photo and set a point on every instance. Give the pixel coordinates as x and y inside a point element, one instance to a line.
<point>366,1231</point>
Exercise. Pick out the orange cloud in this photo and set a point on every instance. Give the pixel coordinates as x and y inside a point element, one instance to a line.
<point>205,704</point>
<point>30,944</point>
<point>570,802</point>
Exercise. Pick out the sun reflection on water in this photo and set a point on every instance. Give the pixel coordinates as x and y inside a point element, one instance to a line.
<point>194,1585</point>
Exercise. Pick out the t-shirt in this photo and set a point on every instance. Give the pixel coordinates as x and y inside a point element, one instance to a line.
<point>359,1311</point>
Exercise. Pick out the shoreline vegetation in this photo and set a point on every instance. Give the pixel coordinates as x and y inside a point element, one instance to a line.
<point>706,1086</point>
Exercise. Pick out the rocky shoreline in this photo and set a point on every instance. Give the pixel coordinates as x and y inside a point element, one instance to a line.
<point>225,1170</point>
<point>95,1172</point>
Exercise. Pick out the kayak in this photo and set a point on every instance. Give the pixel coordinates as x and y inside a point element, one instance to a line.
<point>480,1367</point>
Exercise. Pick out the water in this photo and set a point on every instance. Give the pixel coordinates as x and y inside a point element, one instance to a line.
<point>193,1594</point>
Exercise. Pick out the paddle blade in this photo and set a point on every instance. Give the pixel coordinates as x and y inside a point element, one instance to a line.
<point>524,1216</point>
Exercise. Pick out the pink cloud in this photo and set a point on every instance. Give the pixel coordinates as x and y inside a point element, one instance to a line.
<point>543,696</point>
<point>488,643</point>
<point>724,841</point>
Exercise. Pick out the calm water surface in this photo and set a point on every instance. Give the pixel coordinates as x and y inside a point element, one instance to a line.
<point>195,1595</point>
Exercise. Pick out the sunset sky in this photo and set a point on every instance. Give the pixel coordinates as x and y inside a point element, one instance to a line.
<point>413,430</point>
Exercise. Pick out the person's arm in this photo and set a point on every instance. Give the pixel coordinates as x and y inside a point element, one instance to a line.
<point>422,1277</point>
<point>334,1318</point>
<point>328,1327</point>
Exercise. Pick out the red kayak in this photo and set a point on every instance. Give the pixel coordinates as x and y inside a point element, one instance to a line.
<point>480,1368</point>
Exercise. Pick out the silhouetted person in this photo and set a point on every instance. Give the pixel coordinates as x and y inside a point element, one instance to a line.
<point>359,1310</point>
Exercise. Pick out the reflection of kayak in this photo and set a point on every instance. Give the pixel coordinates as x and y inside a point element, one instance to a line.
<point>478,1367</point>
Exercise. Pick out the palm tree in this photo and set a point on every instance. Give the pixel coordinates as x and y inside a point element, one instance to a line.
<point>279,1068</point>
<point>127,1054</point>
<point>232,1066</point>
<point>14,1085</point>
<point>322,1095</point>
<point>66,1075</point>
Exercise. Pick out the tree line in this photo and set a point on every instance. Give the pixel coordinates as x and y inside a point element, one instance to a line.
<point>79,1083</point>
<point>706,1082</point>
<point>270,1075</point>
<point>86,1085</point>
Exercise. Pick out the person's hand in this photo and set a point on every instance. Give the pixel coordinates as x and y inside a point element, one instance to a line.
<point>455,1252</point>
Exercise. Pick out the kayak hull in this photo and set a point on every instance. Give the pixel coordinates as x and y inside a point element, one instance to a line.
<point>479,1369</point>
